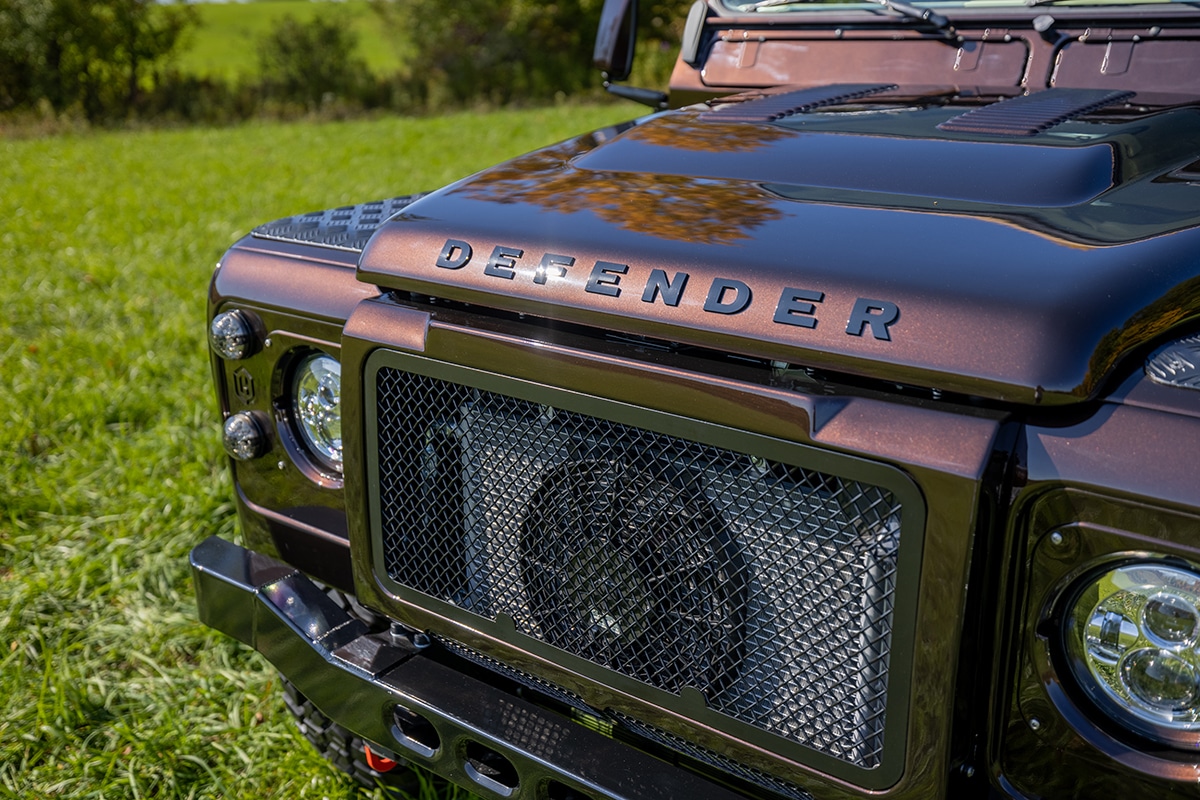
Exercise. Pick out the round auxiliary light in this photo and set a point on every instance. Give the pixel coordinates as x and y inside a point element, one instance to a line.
<point>244,437</point>
<point>232,336</point>
<point>316,403</point>
<point>1132,636</point>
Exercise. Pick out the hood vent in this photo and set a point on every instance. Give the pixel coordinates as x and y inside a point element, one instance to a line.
<point>1031,114</point>
<point>770,108</point>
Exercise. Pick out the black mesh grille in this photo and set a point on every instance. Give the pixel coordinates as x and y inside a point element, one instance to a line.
<point>638,728</point>
<point>703,755</point>
<point>765,586</point>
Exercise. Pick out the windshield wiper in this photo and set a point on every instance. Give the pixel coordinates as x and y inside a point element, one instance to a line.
<point>926,15</point>
<point>772,3</point>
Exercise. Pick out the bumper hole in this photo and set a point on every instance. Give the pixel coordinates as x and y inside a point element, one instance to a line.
<point>415,732</point>
<point>491,770</point>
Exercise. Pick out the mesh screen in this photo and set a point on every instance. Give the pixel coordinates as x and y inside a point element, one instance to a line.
<point>637,727</point>
<point>765,586</point>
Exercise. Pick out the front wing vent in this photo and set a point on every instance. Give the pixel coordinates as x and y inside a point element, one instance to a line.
<point>766,587</point>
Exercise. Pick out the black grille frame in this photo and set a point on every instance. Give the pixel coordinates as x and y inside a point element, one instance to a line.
<point>504,636</point>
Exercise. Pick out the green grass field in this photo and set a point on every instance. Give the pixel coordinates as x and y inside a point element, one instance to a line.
<point>225,45</point>
<point>110,466</point>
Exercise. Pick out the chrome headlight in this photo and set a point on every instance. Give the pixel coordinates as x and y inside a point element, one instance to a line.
<point>1133,639</point>
<point>317,409</point>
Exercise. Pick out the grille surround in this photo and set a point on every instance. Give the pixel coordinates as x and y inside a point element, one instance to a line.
<point>503,634</point>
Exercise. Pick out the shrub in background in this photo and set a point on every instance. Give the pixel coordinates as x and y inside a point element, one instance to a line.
<point>112,60</point>
<point>194,99</point>
<point>313,64</point>
<point>499,51</point>
<point>97,56</point>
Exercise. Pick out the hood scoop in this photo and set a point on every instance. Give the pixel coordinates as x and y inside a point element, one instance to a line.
<point>1023,175</point>
<point>1031,114</point>
<point>772,107</point>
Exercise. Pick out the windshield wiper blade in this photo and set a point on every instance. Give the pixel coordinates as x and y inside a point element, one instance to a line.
<point>772,3</point>
<point>928,15</point>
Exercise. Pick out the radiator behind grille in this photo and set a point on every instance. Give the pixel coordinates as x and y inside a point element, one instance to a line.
<point>765,586</point>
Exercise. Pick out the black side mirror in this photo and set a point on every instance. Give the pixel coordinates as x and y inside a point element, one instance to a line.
<point>615,39</point>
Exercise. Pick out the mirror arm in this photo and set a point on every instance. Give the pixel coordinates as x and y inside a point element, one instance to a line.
<point>647,97</point>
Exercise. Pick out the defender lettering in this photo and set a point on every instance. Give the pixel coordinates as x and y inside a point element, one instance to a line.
<point>726,296</point>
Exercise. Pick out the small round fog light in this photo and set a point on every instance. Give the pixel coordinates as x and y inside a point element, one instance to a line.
<point>317,403</point>
<point>232,336</point>
<point>1131,640</point>
<point>244,436</point>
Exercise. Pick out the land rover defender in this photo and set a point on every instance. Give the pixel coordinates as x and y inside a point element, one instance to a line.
<point>829,431</point>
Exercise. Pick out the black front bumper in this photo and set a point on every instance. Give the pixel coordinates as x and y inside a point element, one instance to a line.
<point>390,692</point>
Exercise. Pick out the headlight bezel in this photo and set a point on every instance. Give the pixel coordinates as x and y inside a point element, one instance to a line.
<point>1052,727</point>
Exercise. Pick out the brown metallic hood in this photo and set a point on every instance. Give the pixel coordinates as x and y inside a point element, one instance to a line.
<point>1014,267</point>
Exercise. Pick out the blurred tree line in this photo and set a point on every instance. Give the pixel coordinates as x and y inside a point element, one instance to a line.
<point>504,50</point>
<point>87,54</point>
<point>108,60</point>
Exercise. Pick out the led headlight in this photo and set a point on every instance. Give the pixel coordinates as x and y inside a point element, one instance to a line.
<point>316,404</point>
<point>1133,641</point>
